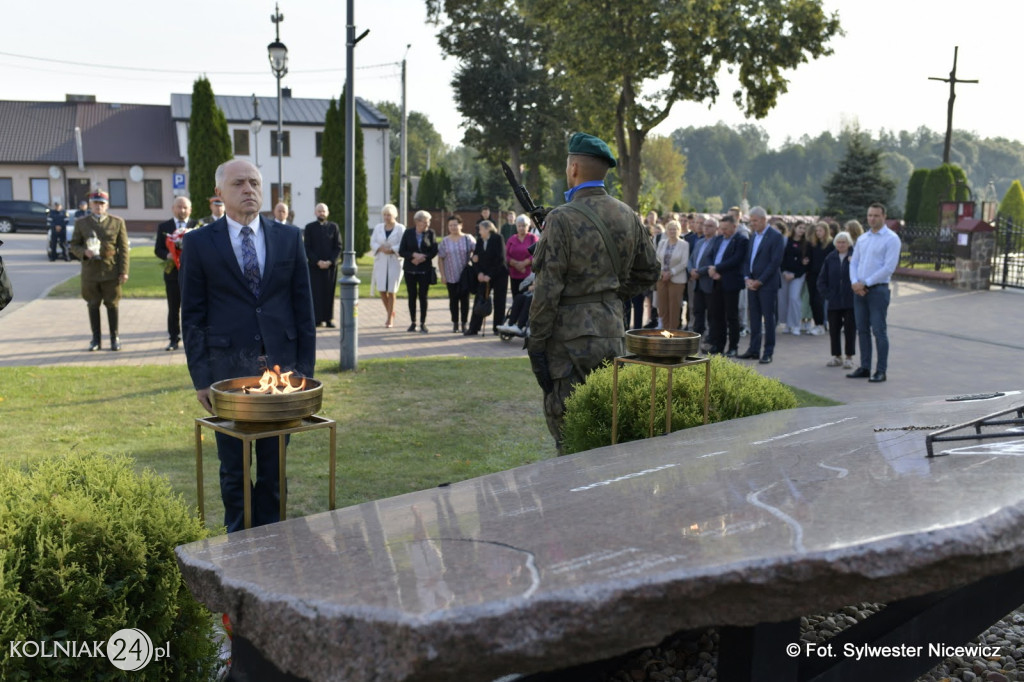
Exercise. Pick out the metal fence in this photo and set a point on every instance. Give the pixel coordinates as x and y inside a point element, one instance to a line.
<point>927,247</point>
<point>1008,259</point>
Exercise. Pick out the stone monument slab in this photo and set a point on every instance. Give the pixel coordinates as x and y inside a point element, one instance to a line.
<point>575,559</point>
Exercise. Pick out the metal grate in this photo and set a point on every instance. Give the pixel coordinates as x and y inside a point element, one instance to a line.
<point>1008,258</point>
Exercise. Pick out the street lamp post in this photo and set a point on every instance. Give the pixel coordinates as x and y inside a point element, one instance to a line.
<point>278,54</point>
<point>255,125</point>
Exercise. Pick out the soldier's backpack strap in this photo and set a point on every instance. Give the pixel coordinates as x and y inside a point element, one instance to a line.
<point>609,245</point>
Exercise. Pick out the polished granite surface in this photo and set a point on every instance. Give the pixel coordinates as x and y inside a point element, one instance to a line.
<point>583,557</point>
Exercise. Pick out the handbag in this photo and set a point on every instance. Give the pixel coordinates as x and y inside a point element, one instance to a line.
<point>433,276</point>
<point>482,306</point>
<point>467,280</point>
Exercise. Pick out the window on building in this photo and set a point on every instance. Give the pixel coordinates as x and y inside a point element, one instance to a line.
<point>118,190</point>
<point>316,196</point>
<point>153,193</point>
<point>275,196</point>
<point>6,189</point>
<point>241,142</point>
<point>40,190</point>
<point>319,144</point>
<point>286,144</point>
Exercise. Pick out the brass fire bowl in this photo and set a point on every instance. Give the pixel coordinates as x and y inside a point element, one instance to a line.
<point>264,411</point>
<point>651,343</point>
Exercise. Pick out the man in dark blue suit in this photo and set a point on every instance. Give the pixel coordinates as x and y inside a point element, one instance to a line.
<point>762,278</point>
<point>245,305</point>
<point>700,283</point>
<point>728,251</point>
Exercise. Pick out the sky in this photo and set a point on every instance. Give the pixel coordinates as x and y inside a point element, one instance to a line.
<point>134,52</point>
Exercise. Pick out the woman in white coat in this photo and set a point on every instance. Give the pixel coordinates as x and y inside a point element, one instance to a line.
<point>673,254</point>
<point>387,266</point>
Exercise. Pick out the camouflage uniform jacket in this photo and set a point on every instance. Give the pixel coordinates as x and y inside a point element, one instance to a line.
<point>113,236</point>
<point>571,261</point>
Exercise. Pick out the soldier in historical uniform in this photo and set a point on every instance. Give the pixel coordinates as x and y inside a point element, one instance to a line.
<point>100,241</point>
<point>594,253</point>
<point>216,211</point>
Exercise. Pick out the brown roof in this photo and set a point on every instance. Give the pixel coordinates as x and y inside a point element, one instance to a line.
<point>112,134</point>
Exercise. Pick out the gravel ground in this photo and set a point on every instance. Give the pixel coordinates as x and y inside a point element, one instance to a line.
<point>692,657</point>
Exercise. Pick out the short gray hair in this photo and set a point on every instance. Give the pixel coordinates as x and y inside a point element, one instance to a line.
<point>422,215</point>
<point>218,175</point>
<point>391,209</point>
<point>758,211</point>
<point>844,236</point>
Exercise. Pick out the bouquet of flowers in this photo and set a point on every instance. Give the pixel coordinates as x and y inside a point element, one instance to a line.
<point>173,242</point>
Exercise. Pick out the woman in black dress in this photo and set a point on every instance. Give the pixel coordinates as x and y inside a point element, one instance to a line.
<point>418,248</point>
<point>491,273</point>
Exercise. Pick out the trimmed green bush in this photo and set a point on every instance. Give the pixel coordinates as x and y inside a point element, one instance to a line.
<point>736,391</point>
<point>86,549</point>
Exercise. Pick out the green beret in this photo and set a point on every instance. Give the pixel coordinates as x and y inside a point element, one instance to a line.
<point>588,145</point>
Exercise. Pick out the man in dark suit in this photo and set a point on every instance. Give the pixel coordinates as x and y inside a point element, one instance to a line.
<point>182,209</point>
<point>245,305</point>
<point>762,278</point>
<point>728,250</point>
<point>700,259</point>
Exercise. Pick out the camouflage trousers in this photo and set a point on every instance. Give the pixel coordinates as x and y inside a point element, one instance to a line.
<point>554,405</point>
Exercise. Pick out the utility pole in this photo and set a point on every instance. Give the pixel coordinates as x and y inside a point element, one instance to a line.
<point>349,282</point>
<point>403,192</point>
<point>952,80</point>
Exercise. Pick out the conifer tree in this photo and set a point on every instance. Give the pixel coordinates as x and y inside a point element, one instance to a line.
<point>938,187</point>
<point>859,181</point>
<point>209,144</point>
<point>332,175</point>
<point>914,187</point>
<point>1012,205</point>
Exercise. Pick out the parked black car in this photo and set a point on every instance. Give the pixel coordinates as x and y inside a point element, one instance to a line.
<point>23,215</point>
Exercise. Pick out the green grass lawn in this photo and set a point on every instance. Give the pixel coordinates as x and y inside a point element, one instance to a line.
<point>403,425</point>
<point>146,279</point>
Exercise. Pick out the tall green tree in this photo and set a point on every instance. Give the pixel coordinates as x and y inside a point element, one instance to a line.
<point>1012,205</point>
<point>332,163</point>
<point>664,175</point>
<point>859,181</point>
<point>332,175</point>
<point>209,144</point>
<point>608,59</point>
<point>938,187</point>
<point>435,190</point>
<point>502,85</point>
<point>914,188</point>
<point>425,146</point>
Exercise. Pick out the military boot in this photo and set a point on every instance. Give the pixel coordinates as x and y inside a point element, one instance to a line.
<point>115,343</point>
<point>94,322</point>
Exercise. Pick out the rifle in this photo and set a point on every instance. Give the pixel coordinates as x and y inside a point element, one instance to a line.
<point>537,213</point>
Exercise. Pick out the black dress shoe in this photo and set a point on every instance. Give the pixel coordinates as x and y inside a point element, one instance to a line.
<point>877,377</point>
<point>330,324</point>
<point>765,359</point>
<point>115,343</point>
<point>749,355</point>
<point>173,345</point>
<point>859,373</point>
<point>455,327</point>
<point>714,350</point>
<point>423,329</point>
<point>412,327</point>
<point>731,353</point>
<point>94,345</point>
<point>469,333</point>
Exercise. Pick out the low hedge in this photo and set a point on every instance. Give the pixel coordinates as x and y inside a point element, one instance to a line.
<point>736,391</point>
<point>87,549</point>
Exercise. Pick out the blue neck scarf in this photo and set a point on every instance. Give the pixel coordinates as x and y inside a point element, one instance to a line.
<point>589,183</point>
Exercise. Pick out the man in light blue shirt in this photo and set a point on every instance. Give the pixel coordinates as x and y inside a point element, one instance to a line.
<point>875,257</point>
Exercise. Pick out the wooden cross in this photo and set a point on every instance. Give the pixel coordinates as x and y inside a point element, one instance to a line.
<point>952,80</point>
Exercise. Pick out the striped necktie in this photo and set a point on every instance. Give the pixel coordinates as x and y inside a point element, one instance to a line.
<point>251,266</point>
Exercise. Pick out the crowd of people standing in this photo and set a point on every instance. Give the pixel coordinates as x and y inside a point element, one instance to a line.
<point>727,277</point>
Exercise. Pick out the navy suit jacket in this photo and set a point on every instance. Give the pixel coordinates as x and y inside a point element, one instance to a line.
<point>704,281</point>
<point>225,328</point>
<point>767,260</point>
<point>731,265</point>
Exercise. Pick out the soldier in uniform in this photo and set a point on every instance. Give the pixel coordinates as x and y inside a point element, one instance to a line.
<point>593,255</point>
<point>104,264</point>
<point>216,211</point>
